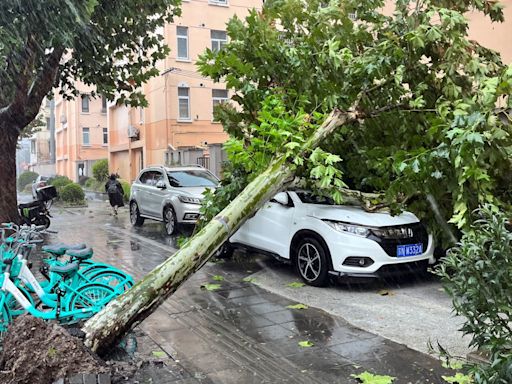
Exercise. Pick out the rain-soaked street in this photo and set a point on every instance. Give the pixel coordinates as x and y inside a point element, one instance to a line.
<point>242,333</point>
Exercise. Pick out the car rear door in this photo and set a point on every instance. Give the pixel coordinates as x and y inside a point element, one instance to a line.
<point>141,193</point>
<point>269,229</point>
<point>156,195</point>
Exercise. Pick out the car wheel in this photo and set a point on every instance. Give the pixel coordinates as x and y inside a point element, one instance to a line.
<point>311,262</point>
<point>135,217</point>
<point>171,224</point>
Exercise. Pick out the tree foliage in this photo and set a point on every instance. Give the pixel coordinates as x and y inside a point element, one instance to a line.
<point>109,44</point>
<point>100,170</point>
<point>425,97</point>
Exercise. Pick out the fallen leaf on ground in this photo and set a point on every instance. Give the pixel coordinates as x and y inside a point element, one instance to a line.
<point>370,378</point>
<point>295,284</point>
<point>210,287</point>
<point>159,354</point>
<point>218,278</point>
<point>452,364</point>
<point>297,306</point>
<point>305,344</point>
<point>248,279</point>
<point>459,378</point>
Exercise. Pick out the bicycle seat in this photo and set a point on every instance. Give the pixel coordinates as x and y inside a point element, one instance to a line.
<point>82,254</point>
<point>64,270</point>
<point>60,249</point>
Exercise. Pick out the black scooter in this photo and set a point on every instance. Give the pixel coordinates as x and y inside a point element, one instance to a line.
<point>37,212</point>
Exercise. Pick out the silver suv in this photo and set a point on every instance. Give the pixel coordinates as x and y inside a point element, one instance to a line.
<point>172,195</point>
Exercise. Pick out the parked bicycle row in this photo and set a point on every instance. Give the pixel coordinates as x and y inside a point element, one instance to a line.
<point>73,288</point>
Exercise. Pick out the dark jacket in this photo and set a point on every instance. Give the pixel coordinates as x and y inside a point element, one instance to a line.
<point>115,192</point>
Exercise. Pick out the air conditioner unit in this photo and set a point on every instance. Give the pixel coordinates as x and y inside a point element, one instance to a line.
<point>63,119</point>
<point>133,132</point>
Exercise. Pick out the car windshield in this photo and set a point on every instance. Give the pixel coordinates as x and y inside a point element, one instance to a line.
<point>309,198</point>
<point>191,178</point>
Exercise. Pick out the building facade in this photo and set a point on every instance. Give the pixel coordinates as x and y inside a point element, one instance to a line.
<point>81,134</point>
<point>42,156</point>
<point>178,126</point>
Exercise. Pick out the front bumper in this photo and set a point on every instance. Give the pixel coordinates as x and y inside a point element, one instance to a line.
<point>343,246</point>
<point>187,213</point>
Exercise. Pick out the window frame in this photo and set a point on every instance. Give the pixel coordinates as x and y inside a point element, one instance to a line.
<point>219,100</point>
<point>88,106</point>
<point>182,37</point>
<point>103,104</point>
<point>189,117</point>
<point>105,135</point>
<point>220,42</point>
<point>88,144</point>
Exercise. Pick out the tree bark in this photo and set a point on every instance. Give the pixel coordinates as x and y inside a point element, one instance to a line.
<point>128,310</point>
<point>8,200</point>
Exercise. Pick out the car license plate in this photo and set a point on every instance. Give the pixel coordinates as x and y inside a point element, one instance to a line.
<point>409,250</point>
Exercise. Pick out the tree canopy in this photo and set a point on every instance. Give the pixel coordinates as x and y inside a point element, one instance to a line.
<point>112,45</point>
<point>429,102</point>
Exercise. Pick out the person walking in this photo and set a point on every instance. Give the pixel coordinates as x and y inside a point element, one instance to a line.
<point>115,193</point>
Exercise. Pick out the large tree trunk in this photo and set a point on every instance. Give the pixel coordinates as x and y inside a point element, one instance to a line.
<point>8,197</point>
<point>139,302</point>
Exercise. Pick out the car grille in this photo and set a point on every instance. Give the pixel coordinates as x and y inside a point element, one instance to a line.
<point>419,235</point>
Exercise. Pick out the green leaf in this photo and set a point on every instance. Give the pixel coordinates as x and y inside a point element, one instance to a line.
<point>305,344</point>
<point>248,279</point>
<point>295,284</point>
<point>211,287</point>
<point>297,306</point>
<point>370,378</point>
<point>159,354</point>
<point>459,378</point>
<point>218,278</point>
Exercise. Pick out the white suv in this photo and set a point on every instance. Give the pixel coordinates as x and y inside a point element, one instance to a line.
<point>172,195</point>
<point>321,238</point>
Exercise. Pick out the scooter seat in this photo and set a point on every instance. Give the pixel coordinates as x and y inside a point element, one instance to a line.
<point>61,248</point>
<point>82,254</point>
<point>64,269</point>
<point>31,204</point>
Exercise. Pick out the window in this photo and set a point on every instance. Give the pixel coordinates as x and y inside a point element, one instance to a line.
<point>86,140</point>
<point>183,104</point>
<point>219,40</point>
<point>103,104</point>
<point>85,103</point>
<point>105,136</point>
<point>182,33</point>
<point>219,96</point>
<point>33,146</point>
<point>192,178</point>
<point>151,178</point>
<point>218,2</point>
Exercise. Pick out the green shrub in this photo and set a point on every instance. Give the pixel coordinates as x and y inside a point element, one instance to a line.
<point>477,274</point>
<point>126,189</point>
<point>90,183</point>
<point>60,181</point>
<point>28,188</point>
<point>72,193</point>
<point>26,178</point>
<point>100,170</point>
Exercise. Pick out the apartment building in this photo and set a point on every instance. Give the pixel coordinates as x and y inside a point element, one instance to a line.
<point>178,127</point>
<point>81,134</point>
<point>42,159</point>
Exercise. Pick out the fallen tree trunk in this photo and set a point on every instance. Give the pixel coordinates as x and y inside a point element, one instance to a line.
<point>131,308</point>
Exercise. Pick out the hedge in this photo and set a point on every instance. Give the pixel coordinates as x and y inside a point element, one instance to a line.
<point>26,178</point>
<point>72,193</point>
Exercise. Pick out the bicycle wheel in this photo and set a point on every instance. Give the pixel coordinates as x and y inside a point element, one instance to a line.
<point>92,295</point>
<point>119,281</point>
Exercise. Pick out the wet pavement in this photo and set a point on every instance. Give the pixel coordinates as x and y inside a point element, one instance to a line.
<point>239,333</point>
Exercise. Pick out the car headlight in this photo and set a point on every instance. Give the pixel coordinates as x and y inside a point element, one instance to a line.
<point>189,200</point>
<point>356,230</point>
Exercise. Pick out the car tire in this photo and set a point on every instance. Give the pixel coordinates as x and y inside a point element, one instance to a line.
<point>170,221</point>
<point>135,217</point>
<point>311,262</point>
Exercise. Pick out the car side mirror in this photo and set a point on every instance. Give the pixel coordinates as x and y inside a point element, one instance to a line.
<point>281,198</point>
<point>160,184</point>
